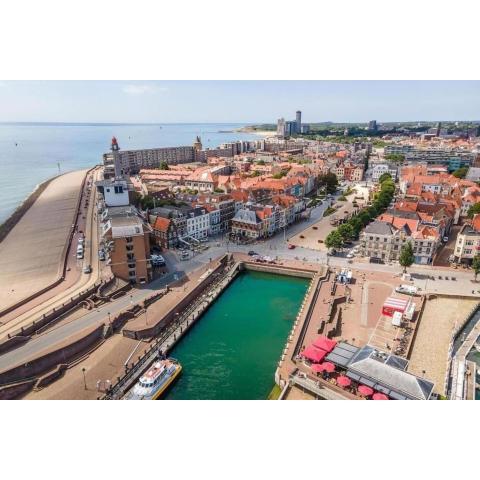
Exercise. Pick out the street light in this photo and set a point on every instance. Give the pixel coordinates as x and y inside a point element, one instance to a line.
<point>109,320</point>
<point>84,378</point>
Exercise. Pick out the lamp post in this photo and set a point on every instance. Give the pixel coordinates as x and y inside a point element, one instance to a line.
<point>84,378</point>
<point>109,319</point>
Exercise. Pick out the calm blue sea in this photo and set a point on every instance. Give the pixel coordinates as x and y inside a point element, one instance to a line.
<point>30,153</point>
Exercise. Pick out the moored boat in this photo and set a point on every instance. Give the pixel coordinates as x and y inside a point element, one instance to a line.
<point>155,382</point>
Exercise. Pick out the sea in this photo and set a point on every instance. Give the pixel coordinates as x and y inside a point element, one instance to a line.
<point>31,153</point>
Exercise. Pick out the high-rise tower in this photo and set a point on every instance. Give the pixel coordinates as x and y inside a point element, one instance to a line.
<point>298,121</point>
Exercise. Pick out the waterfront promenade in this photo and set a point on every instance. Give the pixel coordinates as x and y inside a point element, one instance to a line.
<point>32,255</point>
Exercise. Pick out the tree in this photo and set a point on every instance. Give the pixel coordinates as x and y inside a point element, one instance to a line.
<point>395,157</point>
<point>460,172</point>
<point>261,162</point>
<point>329,181</point>
<point>334,240</point>
<point>473,210</point>
<point>164,166</point>
<point>406,256</point>
<point>384,176</point>
<point>346,232</point>
<point>476,265</point>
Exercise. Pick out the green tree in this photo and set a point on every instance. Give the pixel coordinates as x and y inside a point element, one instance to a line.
<point>164,166</point>
<point>261,162</point>
<point>460,172</point>
<point>476,265</point>
<point>346,231</point>
<point>396,158</point>
<point>329,181</point>
<point>334,240</point>
<point>384,176</point>
<point>473,210</point>
<point>406,256</point>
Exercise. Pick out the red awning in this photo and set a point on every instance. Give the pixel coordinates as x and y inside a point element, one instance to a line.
<point>324,343</point>
<point>380,396</point>
<point>364,390</point>
<point>314,354</point>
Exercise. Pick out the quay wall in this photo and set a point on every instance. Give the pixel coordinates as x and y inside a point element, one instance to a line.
<point>62,268</point>
<point>279,270</point>
<point>50,360</point>
<point>11,392</point>
<point>170,315</point>
<point>24,333</point>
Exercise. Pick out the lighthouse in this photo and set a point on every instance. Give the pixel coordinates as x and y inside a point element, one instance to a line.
<point>116,161</point>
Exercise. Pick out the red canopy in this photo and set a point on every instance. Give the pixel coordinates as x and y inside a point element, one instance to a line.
<point>314,354</point>
<point>380,396</point>
<point>364,390</point>
<point>343,381</point>
<point>324,343</point>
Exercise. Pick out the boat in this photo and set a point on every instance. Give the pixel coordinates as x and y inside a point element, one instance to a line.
<point>155,382</point>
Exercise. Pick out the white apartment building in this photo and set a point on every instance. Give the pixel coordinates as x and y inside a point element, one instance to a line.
<point>198,223</point>
<point>380,168</point>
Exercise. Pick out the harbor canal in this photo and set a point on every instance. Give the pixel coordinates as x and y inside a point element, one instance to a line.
<point>232,352</point>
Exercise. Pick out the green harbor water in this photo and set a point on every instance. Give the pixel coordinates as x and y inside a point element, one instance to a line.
<point>232,351</point>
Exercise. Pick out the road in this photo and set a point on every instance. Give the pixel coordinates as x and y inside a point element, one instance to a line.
<point>57,335</point>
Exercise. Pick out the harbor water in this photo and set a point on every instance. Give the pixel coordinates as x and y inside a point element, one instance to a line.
<point>232,352</point>
<point>33,153</point>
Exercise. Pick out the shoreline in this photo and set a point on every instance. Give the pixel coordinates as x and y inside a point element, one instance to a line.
<point>261,133</point>
<point>7,226</point>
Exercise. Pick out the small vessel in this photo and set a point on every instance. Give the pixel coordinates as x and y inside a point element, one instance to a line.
<point>156,380</point>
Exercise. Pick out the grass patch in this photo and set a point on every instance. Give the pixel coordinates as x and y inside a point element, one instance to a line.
<point>328,211</point>
<point>275,393</point>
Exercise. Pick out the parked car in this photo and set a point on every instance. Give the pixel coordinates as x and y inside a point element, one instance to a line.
<point>251,253</point>
<point>445,239</point>
<point>291,246</point>
<point>101,255</point>
<point>350,255</point>
<point>79,255</point>
<point>87,269</point>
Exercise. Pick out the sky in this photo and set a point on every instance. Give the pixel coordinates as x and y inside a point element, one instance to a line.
<point>237,101</point>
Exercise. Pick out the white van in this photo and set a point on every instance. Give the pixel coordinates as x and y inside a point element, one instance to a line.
<point>407,289</point>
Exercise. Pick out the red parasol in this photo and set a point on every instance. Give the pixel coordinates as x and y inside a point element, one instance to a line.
<point>344,381</point>
<point>364,390</point>
<point>380,396</point>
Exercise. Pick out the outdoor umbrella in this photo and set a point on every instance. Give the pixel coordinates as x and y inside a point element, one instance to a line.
<point>324,343</point>
<point>380,396</point>
<point>344,381</point>
<point>364,390</point>
<point>327,367</point>
<point>317,367</point>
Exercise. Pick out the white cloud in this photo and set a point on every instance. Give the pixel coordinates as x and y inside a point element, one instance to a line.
<point>142,89</point>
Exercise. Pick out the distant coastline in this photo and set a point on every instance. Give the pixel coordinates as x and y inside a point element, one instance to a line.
<point>255,131</point>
